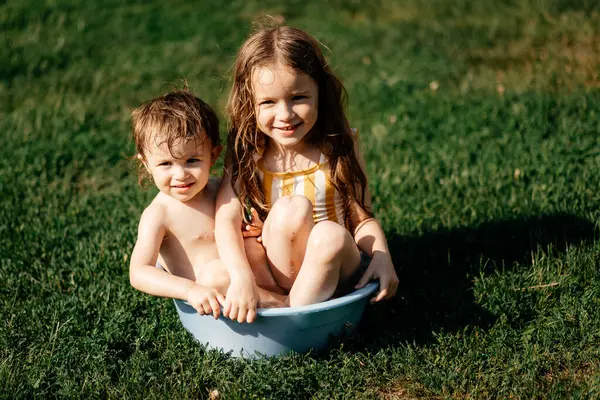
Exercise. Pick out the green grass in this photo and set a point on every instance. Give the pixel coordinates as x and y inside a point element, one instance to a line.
<point>479,122</point>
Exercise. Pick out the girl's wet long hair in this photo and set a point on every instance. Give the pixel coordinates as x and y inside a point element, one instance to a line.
<point>331,134</point>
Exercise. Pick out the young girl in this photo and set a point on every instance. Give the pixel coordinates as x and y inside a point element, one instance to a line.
<point>293,157</point>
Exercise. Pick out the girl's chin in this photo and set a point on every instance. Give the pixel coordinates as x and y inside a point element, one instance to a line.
<point>285,134</point>
<point>287,142</point>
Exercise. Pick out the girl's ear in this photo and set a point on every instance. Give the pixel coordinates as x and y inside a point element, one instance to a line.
<point>143,161</point>
<point>214,155</point>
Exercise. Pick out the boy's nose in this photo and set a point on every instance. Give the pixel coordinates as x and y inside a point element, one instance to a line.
<point>179,173</point>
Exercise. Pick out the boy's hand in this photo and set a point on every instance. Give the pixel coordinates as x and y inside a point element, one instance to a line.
<point>205,300</point>
<point>241,300</point>
<point>254,228</point>
<point>381,268</point>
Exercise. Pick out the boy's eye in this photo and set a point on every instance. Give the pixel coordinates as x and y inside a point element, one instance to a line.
<point>299,97</point>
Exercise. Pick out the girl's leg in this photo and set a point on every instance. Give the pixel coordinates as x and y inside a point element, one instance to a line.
<point>257,258</point>
<point>285,235</point>
<point>331,256</point>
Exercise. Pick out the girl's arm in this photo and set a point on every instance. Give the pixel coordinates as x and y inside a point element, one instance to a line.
<point>370,238</point>
<point>242,295</point>
<point>145,277</point>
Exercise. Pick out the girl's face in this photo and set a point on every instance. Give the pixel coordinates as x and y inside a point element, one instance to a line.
<point>286,103</point>
<point>184,175</point>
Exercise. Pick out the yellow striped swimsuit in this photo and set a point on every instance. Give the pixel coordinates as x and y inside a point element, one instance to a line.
<point>313,183</point>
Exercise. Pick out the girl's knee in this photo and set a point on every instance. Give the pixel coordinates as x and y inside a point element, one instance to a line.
<point>328,240</point>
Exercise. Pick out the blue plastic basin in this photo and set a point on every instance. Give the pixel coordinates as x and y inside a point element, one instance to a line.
<point>278,331</point>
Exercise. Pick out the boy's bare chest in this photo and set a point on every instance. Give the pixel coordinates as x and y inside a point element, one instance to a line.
<point>191,226</point>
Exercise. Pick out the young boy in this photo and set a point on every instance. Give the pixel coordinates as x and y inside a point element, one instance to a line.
<point>177,142</point>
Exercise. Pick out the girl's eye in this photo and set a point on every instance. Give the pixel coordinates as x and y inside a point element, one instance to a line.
<point>265,102</point>
<point>299,97</point>
<point>164,164</point>
<point>193,160</point>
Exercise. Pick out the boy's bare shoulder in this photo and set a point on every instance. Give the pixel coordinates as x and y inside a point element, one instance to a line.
<point>155,213</point>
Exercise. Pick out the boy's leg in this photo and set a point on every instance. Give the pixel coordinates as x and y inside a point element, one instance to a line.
<point>214,274</point>
<point>331,256</point>
<point>285,235</point>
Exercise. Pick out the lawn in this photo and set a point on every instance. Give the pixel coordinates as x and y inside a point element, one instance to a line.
<point>480,124</point>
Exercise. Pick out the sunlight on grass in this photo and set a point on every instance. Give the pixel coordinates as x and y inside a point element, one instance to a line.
<point>564,56</point>
<point>479,123</point>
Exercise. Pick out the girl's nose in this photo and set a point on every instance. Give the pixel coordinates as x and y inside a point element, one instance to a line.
<point>285,111</point>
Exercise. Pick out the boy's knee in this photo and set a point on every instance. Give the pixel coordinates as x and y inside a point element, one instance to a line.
<point>213,275</point>
<point>291,212</point>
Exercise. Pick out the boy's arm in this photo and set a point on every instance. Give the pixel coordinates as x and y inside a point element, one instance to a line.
<point>242,295</point>
<point>143,273</point>
<point>370,238</point>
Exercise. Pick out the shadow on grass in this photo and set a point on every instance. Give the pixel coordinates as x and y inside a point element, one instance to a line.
<point>437,270</point>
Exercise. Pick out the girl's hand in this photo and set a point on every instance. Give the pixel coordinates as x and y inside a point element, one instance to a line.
<point>381,268</point>
<point>205,300</point>
<point>254,228</point>
<point>241,300</point>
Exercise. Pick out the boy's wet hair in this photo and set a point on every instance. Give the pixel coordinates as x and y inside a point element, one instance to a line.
<point>176,117</point>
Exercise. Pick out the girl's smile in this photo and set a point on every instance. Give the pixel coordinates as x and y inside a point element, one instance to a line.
<point>288,130</point>
<point>286,103</point>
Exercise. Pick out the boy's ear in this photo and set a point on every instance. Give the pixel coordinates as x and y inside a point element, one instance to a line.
<point>143,161</point>
<point>215,154</point>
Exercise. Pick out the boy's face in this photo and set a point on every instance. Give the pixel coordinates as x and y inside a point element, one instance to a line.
<point>184,171</point>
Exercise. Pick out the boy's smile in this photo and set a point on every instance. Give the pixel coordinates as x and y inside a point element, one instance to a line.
<point>184,186</point>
